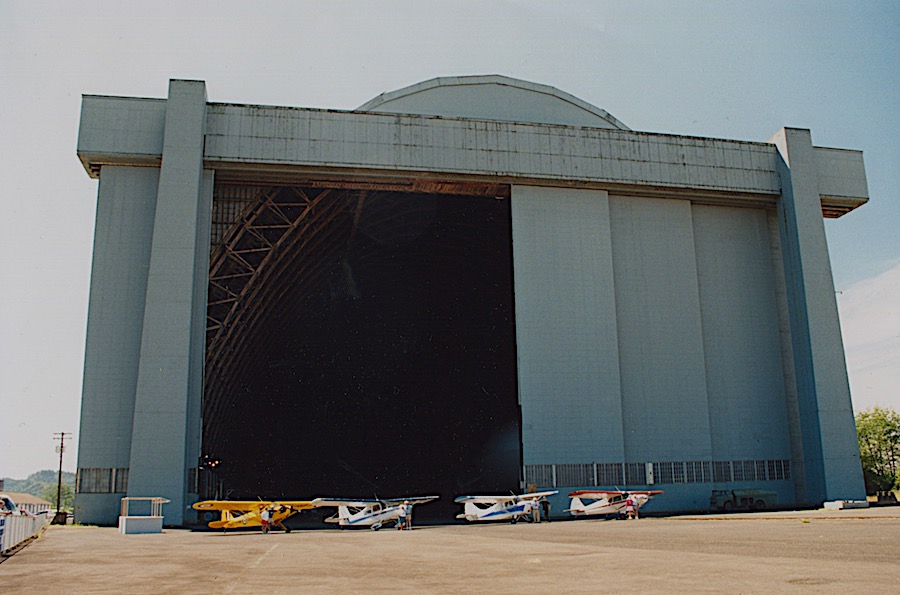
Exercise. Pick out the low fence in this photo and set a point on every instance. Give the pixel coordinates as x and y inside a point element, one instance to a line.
<point>14,529</point>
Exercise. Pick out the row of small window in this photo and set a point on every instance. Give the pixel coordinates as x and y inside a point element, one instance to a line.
<point>101,480</point>
<point>666,472</point>
<point>104,480</point>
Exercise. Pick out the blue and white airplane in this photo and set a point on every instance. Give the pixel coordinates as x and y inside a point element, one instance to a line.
<point>368,513</point>
<point>501,508</point>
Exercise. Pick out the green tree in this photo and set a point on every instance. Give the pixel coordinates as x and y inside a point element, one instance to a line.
<point>38,482</point>
<point>66,495</point>
<point>878,430</point>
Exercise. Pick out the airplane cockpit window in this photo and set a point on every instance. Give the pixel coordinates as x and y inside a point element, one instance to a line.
<point>483,505</point>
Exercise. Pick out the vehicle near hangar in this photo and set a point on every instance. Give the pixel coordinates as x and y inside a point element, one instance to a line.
<point>744,499</point>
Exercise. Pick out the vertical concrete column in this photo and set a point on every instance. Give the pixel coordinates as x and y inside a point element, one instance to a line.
<point>126,205</point>
<point>830,449</point>
<point>168,382</point>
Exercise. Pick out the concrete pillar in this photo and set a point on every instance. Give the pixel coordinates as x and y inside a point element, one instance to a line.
<point>170,371</point>
<point>126,204</point>
<point>828,434</point>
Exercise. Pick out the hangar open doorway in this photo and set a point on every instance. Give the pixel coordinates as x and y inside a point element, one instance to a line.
<point>361,341</point>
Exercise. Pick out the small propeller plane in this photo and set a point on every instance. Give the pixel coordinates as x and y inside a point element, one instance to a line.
<point>239,514</point>
<point>501,508</point>
<point>371,513</point>
<point>604,502</point>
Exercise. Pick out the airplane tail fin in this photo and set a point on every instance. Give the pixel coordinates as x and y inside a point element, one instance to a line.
<point>343,514</point>
<point>575,505</point>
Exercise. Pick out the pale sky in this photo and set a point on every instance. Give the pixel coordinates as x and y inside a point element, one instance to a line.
<point>723,69</point>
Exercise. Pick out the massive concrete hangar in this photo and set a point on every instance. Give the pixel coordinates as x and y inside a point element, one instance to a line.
<point>470,284</point>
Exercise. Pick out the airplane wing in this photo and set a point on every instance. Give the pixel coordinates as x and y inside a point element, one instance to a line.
<point>596,494</point>
<point>413,499</point>
<point>237,505</point>
<point>324,502</point>
<point>509,498</point>
<point>294,504</point>
<point>606,493</point>
<point>484,499</point>
<point>245,505</point>
<point>537,495</point>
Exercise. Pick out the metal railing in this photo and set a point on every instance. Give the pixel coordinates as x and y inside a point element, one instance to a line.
<point>16,529</point>
<point>156,505</point>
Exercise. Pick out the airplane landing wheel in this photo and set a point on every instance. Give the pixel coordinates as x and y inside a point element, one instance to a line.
<point>287,529</point>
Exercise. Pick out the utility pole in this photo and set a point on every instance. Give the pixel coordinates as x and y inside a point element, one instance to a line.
<point>60,517</point>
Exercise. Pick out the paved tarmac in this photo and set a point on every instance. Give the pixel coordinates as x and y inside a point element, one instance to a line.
<point>848,551</point>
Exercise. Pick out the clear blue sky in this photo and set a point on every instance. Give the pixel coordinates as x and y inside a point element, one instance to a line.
<point>723,69</point>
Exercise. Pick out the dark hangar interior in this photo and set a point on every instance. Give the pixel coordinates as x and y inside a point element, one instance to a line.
<point>361,342</point>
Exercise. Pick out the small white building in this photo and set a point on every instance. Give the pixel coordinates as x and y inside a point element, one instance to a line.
<point>28,503</point>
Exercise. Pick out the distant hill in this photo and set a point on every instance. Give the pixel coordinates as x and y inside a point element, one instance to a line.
<point>38,482</point>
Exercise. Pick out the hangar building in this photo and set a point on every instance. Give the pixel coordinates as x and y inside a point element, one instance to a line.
<point>469,285</point>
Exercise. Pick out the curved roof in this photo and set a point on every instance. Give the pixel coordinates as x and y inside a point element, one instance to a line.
<point>493,97</point>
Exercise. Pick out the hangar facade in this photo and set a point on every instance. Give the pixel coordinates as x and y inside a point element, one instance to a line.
<point>471,284</point>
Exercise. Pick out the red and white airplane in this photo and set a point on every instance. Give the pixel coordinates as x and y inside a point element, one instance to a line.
<point>604,502</point>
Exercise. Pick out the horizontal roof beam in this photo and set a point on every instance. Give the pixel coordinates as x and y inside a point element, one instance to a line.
<point>128,131</point>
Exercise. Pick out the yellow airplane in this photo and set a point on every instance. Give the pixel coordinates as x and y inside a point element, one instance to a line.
<point>238,514</point>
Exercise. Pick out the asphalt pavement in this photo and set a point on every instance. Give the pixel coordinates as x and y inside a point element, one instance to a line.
<point>846,551</point>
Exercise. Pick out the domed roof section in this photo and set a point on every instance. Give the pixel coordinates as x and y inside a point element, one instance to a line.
<point>492,97</point>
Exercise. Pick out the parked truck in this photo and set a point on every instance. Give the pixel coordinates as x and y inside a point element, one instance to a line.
<point>742,499</point>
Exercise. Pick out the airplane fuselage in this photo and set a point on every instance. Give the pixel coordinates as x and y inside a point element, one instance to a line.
<point>501,511</point>
<point>611,504</point>
<point>369,516</point>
